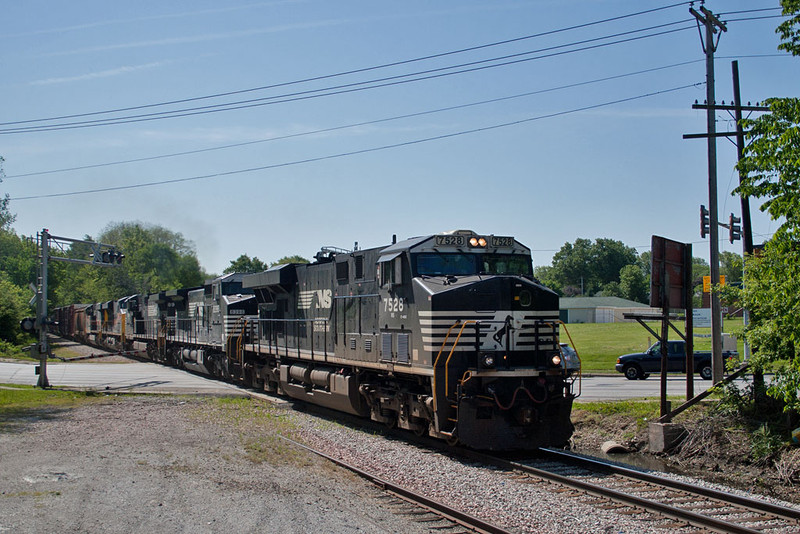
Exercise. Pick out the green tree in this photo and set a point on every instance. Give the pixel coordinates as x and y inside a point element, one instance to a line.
<point>156,259</point>
<point>6,217</point>
<point>700,268</point>
<point>633,283</point>
<point>289,259</point>
<point>771,172</point>
<point>244,264</point>
<point>731,265</point>
<point>13,307</point>
<point>586,267</point>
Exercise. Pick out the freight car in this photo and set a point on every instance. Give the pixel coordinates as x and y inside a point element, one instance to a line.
<point>448,335</point>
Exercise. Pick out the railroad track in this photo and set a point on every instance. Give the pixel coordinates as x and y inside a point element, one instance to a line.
<point>414,505</point>
<point>629,491</point>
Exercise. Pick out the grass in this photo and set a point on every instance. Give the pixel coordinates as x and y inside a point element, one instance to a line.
<point>600,344</point>
<point>21,403</point>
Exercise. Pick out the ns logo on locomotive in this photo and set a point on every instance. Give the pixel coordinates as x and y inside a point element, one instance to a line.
<point>447,335</point>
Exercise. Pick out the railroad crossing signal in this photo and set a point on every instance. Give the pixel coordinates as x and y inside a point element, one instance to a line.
<point>704,221</point>
<point>108,256</point>
<point>734,229</point>
<point>28,325</point>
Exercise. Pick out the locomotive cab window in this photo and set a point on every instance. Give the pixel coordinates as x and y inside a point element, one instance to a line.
<point>391,270</point>
<point>462,264</point>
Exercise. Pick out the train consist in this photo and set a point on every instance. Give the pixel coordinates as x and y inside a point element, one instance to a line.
<point>447,335</point>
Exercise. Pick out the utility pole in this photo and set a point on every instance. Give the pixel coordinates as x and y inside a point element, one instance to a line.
<point>41,310</point>
<point>747,226</point>
<point>711,23</point>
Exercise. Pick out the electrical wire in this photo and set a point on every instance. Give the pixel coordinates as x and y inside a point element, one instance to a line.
<point>358,152</point>
<point>361,124</point>
<point>356,71</point>
<point>363,85</point>
<point>358,86</point>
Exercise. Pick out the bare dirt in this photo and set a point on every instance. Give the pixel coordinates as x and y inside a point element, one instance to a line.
<point>716,449</point>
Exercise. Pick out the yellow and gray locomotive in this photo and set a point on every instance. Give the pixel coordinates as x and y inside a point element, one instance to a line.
<point>447,335</point>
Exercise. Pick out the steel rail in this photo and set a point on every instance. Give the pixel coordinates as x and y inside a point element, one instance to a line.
<point>692,518</point>
<point>665,510</point>
<point>745,502</point>
<point>452,514</point>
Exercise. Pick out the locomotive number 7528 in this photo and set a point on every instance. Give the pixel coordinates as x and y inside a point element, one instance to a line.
<point>395,304</point>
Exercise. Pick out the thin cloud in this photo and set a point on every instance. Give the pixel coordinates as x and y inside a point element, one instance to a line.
<point>101,74</point>
<point>112,22</point>
<point>198,38</point>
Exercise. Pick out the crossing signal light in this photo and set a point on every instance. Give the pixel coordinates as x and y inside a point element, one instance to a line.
<point>109,257</point>
<point>734,229</point>
<point>705,227</point>
<point>28,325</point>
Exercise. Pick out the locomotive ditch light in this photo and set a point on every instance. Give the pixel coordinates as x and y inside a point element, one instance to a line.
<point>477,242</point>
<point>556,359</point>
<point>488,360</point>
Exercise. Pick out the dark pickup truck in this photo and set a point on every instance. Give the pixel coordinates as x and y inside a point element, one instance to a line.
<point>638,366</point>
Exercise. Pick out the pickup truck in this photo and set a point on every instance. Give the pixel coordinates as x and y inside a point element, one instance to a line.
<point>638,366</point>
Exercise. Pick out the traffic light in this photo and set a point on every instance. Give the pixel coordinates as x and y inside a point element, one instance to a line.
<point>704,221</point>
<point>734,228</point>
<point>28,325</point>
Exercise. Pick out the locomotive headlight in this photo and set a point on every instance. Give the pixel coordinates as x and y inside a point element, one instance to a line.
<point>556,360</point>
<point>487,360</point>
<point>477,242</point>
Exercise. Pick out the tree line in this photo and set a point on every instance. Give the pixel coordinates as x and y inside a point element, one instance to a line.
<point>608,268</point>
<point>156,259</point>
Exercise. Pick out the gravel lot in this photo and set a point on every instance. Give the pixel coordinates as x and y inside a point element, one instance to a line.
<point>164,464</point>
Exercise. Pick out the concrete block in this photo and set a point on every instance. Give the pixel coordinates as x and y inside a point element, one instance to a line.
<point>664,437</point>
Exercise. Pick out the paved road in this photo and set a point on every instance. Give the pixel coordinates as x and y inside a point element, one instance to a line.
<point>596,388</point>
<point>123,377</point>
<point>154,378</point>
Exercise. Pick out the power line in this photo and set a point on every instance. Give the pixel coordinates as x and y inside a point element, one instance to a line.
<point>354,71</point>
<point>361,124</point>
<point>357,152</point>
<point>365,85</point>
<point>357,86</point>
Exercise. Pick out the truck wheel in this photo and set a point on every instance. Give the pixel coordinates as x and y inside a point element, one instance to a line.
<point>632,372</point>
<point>705,372</point>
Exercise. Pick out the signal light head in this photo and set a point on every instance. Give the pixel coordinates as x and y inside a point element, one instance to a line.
<point>28,325</point>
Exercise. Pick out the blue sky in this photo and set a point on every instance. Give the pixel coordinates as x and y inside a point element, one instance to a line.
<point>535,148</point>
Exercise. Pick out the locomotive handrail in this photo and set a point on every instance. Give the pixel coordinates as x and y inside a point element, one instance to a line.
<point>452,351</point>
<point>273,343</point>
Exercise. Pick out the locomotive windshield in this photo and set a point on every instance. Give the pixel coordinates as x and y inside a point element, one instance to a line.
<point>460,264</point>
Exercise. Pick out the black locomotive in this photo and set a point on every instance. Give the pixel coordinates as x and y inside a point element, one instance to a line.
<point>447,335</point>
